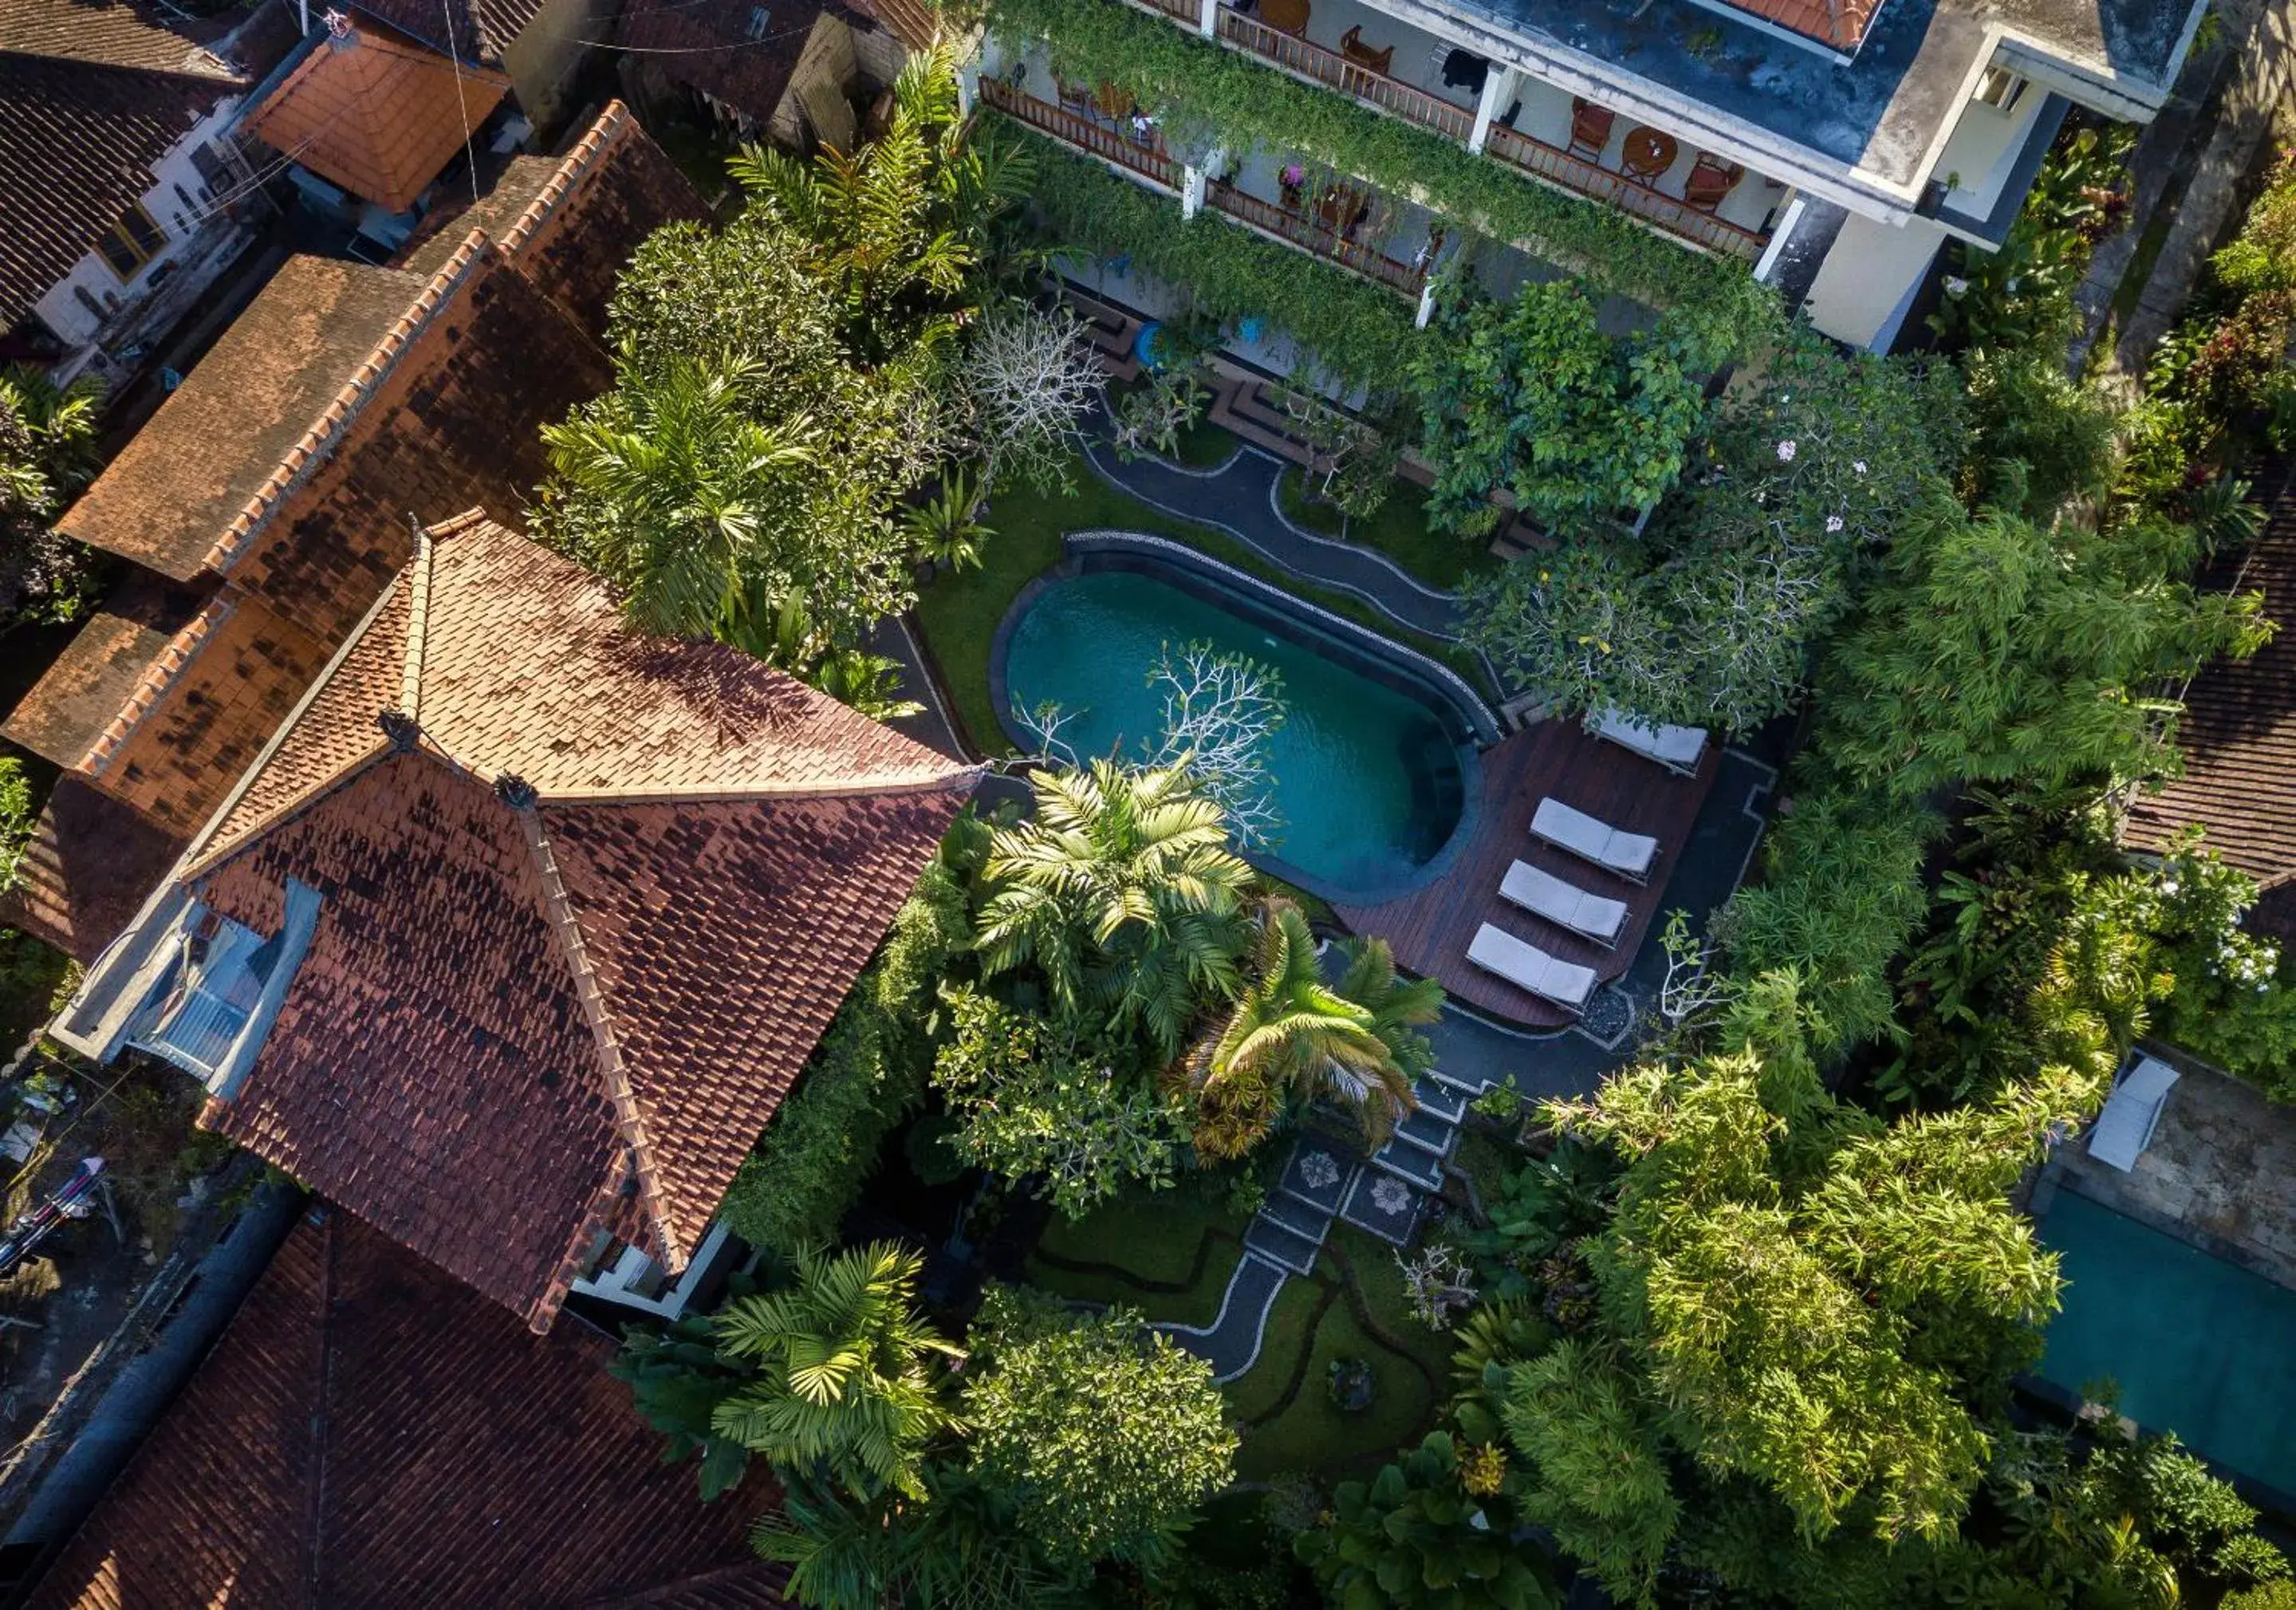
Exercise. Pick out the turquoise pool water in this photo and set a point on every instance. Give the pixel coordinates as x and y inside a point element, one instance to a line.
<point>2199,1346</point>
<point>1366,778</point>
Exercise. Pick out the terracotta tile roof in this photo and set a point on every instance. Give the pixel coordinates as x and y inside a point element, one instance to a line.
<point>561,1012</point>
<point>911,22</point>
<point>222,436</point>
<point>77,143</point>
<point>376,113</point>
<point>370,1435</point>
<point>707,44</point>
<point>428,396</point>
<point>110,33</point>
<point>2238,733</point>
<point>481,30</point>
<point>84,875</point>
<point>87,686</point>
<point>570,222</point>
<point>1837,24</point>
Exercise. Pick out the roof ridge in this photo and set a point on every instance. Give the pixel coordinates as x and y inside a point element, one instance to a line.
<point>182,650</point>
<point>418,622</point>
<point>608,127</point>
<point>628,1119</point>
<point>908,782</point>
<point>213,855</point>
<point>304,457</point>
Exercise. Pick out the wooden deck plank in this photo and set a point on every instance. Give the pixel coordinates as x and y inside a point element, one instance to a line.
<point>1431,928</point>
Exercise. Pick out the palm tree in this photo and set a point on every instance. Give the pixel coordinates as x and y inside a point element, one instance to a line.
<point>1399,1007</point>
<point>1292,1034</point>
<point>900,226</point>
<point>669,487</point>
<point>845,1380</point>
<point>1122,891</point>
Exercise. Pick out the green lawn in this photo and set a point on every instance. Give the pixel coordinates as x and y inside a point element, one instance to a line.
<point>1400,530</point>
<point>1145,1243</point>
<point>958,613</point>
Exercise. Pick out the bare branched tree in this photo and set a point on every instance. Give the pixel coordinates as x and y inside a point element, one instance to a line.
<point>1437,1284</point>
<point>1218,710</point>
<point>1030,377</point>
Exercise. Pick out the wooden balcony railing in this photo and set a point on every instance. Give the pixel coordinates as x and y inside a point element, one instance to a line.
<point>1574,172</point>
<point>1334,70</point>
<point>1564,168</point>
<point>1311,234</point>
<point>1090,134</point>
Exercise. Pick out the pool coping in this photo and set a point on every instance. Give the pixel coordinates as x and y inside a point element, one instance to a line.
<point>2054,1180</point>
<point>1440,683</point>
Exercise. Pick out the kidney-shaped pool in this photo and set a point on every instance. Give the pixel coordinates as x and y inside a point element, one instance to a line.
<point>1369,766</point>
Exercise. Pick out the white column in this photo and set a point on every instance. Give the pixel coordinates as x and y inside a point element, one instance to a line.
<point>1208,19</point>
<point>1498,89</point>
<point>1426,304</point>
<point>1192,182</point>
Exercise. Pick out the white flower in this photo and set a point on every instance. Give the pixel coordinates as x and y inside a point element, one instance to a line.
<point>1954,285</point>
<point>1859,466</point>
<point>1832,524</point>
<point>1787,451</point>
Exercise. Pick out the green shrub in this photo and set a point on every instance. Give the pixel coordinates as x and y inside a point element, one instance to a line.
<point>867,1074</point>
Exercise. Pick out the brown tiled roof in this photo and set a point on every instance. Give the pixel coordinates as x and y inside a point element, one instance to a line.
<point>570,222</point>
<point>110,33</point>
<point>84,872</point>
<point>427,398</point>
<point>481,30</point>
<point>1839,24</point>
<point>370,1435</point>
<point>87,685</point>
<point>223,435</point>
<point>578,1011</point>
<point>2238,734</point>
<point>707,44</point>
<point>377,114</point>
<point>77,143</point>
<point>911,22</point>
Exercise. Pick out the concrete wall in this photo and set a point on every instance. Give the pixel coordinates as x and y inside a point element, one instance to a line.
<point>542,60</point>
<point>182,206</point>
<point>1869,278</point>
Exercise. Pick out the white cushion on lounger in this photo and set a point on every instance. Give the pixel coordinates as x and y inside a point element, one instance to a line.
<point>1678,749</point>
<point>1594,839</point>
<point>1541,892</point>
<point>2124,1129</point>
<point>1520,962</point>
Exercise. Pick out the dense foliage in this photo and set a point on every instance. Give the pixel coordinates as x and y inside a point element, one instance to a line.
<point>1426,1534</point>
<point>47,452</point>
<point>1532,396</point>
<point>1107,1433</point>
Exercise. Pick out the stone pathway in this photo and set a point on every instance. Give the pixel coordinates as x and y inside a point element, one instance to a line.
<point>1239,498</point>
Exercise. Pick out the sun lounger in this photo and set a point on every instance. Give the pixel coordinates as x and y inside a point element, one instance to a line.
<point>1676,748</point>
<point>1628,854</point>
<point>1519,962</point>
<point>2124,1129</point>
<point>1542,893</point>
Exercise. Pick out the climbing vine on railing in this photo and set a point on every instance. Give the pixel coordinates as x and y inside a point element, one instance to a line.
<point>1207,96</point>
<point>1356,330</point>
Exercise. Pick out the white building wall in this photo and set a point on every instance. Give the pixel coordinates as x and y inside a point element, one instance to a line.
<point>1869,278</point>
<point>179,203</point>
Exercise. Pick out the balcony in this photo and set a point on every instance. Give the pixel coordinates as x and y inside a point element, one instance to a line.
<point>1386,242</point>
<point>1080,123</point>
<point>1415,76</point>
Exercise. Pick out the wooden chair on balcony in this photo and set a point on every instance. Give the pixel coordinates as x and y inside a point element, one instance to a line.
<point>1590,126</point>
<point>1354,49</point>
<point>1711,179</point>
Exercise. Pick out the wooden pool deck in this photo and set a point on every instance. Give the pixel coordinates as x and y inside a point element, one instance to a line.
<point>1430,929</point>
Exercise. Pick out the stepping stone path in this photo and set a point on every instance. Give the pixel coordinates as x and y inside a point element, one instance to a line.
<point>1323,1181</point>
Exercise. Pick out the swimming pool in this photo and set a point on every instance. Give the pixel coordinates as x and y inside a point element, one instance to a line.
<point>2199,1346</point>
<point>1368,773</point>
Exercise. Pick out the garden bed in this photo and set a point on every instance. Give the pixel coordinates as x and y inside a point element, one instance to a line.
<point>1399,529</point>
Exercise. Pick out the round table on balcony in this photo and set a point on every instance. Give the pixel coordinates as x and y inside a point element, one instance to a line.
<point>1285,16</point>
<point>1648,152</point>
